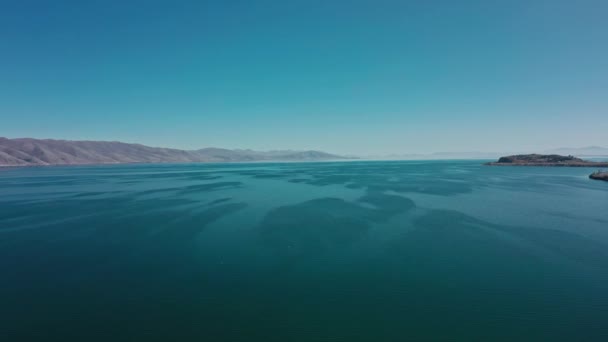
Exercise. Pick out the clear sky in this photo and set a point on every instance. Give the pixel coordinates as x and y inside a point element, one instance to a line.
<point>349,76</point>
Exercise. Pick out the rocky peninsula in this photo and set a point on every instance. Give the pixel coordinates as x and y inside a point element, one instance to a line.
<point>545,160</point>
<point>599,175</point>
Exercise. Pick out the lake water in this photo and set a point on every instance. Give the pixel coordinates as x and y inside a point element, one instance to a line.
<point>350,251</point>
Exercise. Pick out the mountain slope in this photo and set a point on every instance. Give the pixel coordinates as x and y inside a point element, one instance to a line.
<point>27,151</point>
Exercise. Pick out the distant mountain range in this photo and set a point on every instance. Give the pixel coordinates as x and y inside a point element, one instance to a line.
<point>27,151</point>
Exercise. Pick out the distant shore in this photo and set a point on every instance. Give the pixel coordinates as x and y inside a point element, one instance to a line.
<point>552,160</point>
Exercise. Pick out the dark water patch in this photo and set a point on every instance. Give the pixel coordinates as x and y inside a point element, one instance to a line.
<point>569,245</point>
<point>40,196</point>
<point>330,180</point>
<point>299,180</point>
<point>201,177</point>
<point>579,218</point>
<point>270,176</point>
<point>128,182</point>
<point>96,193</point>
<point>427,186</point>
<point>103,231</point>
<point>190,189</point>
<point>426,180</point>
<point>391,204</point>
<point>508,273</point>
<point>158,191</point>
<point>153,177</point>
<point>46,212</point>
<point>55,183</point>
<point>327,224</point>
<point>263,174</point>
<point>185,228</point>
<point>210,187</point>
<point>314,227</point>
<point>162,175</point>
<point>123,261</point>
<point>220,200</point>
<point>254,172</point>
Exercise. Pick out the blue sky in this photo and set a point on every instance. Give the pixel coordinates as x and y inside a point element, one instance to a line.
<point>356,77</point>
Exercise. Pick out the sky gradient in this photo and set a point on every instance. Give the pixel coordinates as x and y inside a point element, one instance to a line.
<point>350,77</point>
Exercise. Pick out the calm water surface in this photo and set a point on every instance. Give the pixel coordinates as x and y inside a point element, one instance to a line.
<point>357,251</point>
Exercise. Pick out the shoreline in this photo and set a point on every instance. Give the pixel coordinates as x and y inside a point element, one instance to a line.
<point>599,175</point>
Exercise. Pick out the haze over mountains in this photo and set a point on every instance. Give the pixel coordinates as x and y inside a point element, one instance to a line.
<point>27,151</point>
<point>590,151</point>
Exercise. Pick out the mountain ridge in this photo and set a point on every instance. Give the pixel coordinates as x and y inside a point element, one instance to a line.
<point>38,152</point>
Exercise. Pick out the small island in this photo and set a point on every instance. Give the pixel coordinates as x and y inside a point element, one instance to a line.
<point>600,175</point>
<point>545,160</point>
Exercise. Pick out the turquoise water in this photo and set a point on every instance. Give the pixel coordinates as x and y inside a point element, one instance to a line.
<point>354,251</point>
